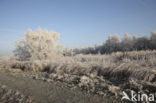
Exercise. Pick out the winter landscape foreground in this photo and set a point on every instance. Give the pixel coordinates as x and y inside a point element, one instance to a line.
<point>97,76</point>
<point>42,71</point>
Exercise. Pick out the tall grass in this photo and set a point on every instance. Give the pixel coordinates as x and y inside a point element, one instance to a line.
<point>124,70</point>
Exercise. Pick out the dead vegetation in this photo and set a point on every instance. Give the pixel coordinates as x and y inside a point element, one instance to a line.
<point>12,96</point>
<point>102,74</point>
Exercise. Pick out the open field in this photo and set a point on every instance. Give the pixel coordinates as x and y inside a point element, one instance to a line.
<point>103,75</point>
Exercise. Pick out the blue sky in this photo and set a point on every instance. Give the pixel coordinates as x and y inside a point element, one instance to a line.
<point>79,22</point>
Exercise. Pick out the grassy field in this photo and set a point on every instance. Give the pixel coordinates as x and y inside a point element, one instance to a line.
<point>105,75</point>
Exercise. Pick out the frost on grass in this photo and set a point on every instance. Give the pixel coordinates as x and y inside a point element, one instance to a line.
<point>101,74</point>
<point>12,96</point>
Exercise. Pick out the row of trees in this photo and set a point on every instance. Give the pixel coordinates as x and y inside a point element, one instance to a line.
<point>128,43</point>
<point>43,44</point>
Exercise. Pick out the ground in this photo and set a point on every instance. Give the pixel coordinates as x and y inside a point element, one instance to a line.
<point>41,91</point>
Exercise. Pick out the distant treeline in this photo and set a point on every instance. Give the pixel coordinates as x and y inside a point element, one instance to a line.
<point>114,44</point>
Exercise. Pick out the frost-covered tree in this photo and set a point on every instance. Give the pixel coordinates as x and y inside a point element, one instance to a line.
<point>142,43</point>
<point>38,45</point>
<point>127,43</point>
<point>153,40</point>
<point>112,44</point>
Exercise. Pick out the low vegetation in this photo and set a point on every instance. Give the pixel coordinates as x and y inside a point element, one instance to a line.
<point>12,96</point>
<point>101,74</point>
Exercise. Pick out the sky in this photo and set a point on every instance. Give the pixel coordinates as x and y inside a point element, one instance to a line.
<point>79,22</point>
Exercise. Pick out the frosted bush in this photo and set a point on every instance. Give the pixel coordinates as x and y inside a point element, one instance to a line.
<point>38,45</point>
